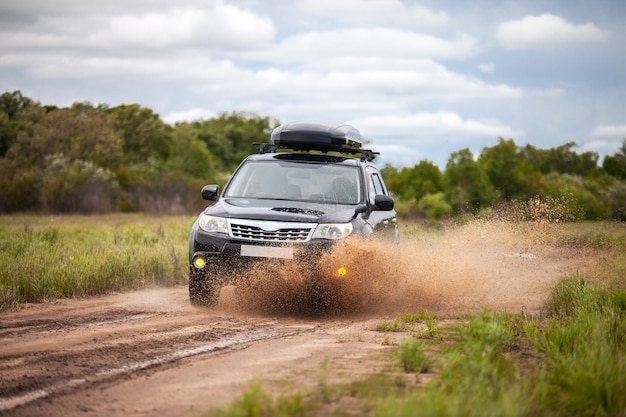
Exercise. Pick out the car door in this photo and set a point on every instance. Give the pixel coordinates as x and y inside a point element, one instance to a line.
<point>383,222</point>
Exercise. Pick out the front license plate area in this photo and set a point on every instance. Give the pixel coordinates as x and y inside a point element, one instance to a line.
<point>258,251</point>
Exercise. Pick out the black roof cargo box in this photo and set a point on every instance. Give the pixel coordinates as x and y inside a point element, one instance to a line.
<point>311,136</point>
<point>317,136</point>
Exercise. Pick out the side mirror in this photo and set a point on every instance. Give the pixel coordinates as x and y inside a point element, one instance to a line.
<point>360,208</point>
<point>210,192</point>
<point>384,202</point>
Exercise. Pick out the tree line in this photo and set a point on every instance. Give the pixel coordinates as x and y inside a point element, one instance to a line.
<point>553,184</point>
<point>101,159</point>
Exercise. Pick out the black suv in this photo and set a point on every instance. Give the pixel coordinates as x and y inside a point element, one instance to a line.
<point>311,186</point>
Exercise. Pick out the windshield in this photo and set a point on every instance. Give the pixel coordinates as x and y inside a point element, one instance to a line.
<point>285,180</point>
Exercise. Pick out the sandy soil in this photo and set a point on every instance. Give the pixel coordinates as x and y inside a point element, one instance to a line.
<point>150,352</point>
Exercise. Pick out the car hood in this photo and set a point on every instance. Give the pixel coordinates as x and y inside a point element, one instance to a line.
<point>281,210</point>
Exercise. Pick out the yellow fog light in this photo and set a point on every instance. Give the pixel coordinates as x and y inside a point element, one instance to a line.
<point>342,271</point>
<point>199,262</point>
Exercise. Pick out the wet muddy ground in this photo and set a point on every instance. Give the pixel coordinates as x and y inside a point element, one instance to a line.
<point>150,352</point>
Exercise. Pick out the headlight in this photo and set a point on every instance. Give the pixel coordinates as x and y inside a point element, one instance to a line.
<point>213,224</point>
<point>332,231</point>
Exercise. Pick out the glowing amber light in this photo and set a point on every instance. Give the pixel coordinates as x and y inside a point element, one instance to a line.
<point>199,262</point>
<point>342,271</point>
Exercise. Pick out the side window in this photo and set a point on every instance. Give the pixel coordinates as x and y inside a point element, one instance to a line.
<point>376,186</point>
<point>372,190</point>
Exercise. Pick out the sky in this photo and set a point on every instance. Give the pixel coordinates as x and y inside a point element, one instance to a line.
<point>418,79</point>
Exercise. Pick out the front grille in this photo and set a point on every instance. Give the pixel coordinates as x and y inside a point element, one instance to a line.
<point>281,235</point>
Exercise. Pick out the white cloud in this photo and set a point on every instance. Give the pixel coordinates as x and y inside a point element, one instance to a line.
<point>399,155</point>
<point>80,7</point>
<point>388,12</point>
<point>490,67</point>
<point>351,87</point>
<point>608,131</point>
<point>360,82</point>
<point>220,26</point>
<point>373,42</point>
<point>432,127</point>
<point>189,115</point>
<point>215,26</point>
<point>406,139</point>
<point>608,139</point>
<point>62,66</point>
<point>602,147</point>
<point>543,31</point>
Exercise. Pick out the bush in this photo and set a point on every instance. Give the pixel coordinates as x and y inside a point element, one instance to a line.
<point>77,186</point>
<point>574,195</point>
<point>435,206</point>
<point>615,198</point>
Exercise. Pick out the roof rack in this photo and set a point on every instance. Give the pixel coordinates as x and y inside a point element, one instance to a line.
<point>308,136</point>
<point>366,154</point>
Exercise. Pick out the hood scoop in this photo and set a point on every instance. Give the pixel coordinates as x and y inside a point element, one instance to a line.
<point>295,210</point>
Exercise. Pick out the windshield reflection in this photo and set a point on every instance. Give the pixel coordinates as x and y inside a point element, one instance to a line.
<point>285,180</point>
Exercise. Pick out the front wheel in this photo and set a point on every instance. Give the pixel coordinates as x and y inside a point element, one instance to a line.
<point>202,292</point>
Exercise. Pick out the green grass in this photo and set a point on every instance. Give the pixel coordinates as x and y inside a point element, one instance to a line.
<point>391,326</point>
<point>570,360</point>
<point>256,403</point>
<point>401,324</point>
<point>584,340</point>
<point>45,258</point>
<point>412,354</point>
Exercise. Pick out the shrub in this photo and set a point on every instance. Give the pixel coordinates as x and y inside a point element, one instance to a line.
<point>413,357</point>
<point>435,206</point>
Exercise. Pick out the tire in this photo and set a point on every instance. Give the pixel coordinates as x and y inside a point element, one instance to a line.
<point>201,291</point>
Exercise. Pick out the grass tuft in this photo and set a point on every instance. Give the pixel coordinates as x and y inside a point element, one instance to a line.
<point>413,357</point>
<point>255,403</point>
<point>395,326</point>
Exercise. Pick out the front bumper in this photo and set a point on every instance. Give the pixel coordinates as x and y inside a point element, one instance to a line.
<point>223,254</point>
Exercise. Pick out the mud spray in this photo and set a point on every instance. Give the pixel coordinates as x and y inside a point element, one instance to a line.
<point>483,264</point>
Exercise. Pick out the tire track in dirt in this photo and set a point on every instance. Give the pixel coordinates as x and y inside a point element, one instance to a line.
<point>50,356</point>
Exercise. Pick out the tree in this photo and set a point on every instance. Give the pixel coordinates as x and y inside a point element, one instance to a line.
<point>423,179</point>
<point>144,135</point>
<point>415,182</point>
<point>81,137</point>
<point>81,132</point>
<point>468,186</point>
<point>230,136</point>
<point>615,165</point>
<point>392,179</point>
<point>508,170</point>
<point>562,159</point>
<point>17,114</point>
<point>190,155</point>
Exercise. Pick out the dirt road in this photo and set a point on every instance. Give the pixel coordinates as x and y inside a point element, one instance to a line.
<point>150,352</point>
